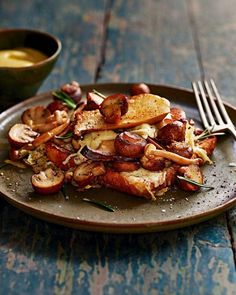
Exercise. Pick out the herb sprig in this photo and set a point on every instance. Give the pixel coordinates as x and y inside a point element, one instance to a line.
<point>208,133</point>
<point>99,93</point>
<point>66,136</point>
<point>100,204</point>
<point>194,182</point>
<point>61,95</point>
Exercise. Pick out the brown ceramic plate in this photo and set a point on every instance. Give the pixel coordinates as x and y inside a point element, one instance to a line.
<point>133,215</point>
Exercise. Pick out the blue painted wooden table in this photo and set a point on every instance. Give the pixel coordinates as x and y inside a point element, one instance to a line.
<point>166,41</point>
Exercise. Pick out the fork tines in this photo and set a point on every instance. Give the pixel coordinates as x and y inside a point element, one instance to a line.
<point>211,108</point>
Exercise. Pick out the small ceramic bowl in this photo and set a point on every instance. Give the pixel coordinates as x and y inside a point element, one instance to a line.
<point>18,83</point>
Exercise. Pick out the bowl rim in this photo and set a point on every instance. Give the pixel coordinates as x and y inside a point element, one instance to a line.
<point>36,31</point>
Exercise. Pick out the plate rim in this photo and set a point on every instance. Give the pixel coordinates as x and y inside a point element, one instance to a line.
<point>140,227</point>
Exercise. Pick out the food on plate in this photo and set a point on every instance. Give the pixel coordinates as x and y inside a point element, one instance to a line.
<point>137,144</point>
<point>139,88</point>
<point>114,107</point>
<point>48,181</point>
<point>21,134</point>
<point>152,111</point>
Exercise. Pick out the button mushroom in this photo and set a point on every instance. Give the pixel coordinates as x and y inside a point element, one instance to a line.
<point>21,134</point>
<point>49,181</point>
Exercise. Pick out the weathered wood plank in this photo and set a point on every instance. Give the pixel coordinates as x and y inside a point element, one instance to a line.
<point>215,26</point>
<point>215,30</point>
<point>49,258</point>
<point>151,42</point>
<point>41,258</point>
<point>79,25</point>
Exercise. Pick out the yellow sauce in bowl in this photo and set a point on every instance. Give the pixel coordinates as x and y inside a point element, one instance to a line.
<point>20,57</point>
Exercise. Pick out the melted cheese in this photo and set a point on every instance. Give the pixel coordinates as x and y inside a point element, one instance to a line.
<point>190,139</point>
<point>145,130</point>
<point>94,139</point>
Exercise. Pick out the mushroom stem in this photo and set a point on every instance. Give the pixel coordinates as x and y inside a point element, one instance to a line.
<point>151,152</point>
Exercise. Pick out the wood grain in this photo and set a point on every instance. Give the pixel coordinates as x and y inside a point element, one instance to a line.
<point>49,258</point>
<point>146,35</point>
<point>215,27</point>
<point>215,38</point>
<point>155,42</point>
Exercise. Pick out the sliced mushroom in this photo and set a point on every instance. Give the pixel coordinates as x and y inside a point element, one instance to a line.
<point>93,101</point>
<point>87,172</point>
<point>96,155</point>
<point>151,153</point>
<point>129,144</point>
<point>49,181</point>
<point>113,107</point>
<point>177,114</point>
<point>35,115</point>
<point>21,134</point>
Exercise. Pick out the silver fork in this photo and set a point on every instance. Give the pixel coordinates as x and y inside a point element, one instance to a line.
<point>211,108</point>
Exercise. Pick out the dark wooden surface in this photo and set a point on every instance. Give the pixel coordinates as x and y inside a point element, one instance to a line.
<point>166,41</point>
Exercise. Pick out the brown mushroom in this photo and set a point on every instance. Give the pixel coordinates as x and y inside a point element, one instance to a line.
<point>113,107</point>
<point>21,134</point>
<point>49,181</point>
<point>129,144</point>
